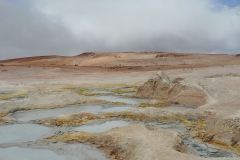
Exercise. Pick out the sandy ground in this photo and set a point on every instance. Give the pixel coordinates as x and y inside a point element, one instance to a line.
<point>47,82</point>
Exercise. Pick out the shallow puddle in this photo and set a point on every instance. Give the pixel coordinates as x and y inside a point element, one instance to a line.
<point>102,127</point>
<point>179,108</point>
<point>31,132</point>
<point>22,132</point>
<point>16,153</point>
<point>95,91</point>
<point>127,94</point>
<point>60,152</point>
<point>117,109</point>
<point>5,92</point>
<point>174,127</point>
<point>46,113</point>
<point>120,99</point>
<point>25,116</point>
<point>203,150</point>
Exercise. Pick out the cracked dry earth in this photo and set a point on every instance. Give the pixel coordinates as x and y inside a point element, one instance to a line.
<point>187,118</point>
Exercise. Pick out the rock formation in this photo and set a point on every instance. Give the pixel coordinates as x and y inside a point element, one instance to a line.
<point>160,87</point>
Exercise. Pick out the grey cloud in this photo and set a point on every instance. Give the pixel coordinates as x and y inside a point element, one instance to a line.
<point>26,33</point>
<point>70,27</point>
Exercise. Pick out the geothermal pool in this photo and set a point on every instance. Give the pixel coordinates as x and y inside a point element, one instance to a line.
<point>67,152</point>
<point>102,127</point>
<point>22,132</point>
<point>27,132</point>
<point>25,116</point>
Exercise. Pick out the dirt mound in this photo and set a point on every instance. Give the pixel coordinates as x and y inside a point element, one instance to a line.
<point>159,86</point>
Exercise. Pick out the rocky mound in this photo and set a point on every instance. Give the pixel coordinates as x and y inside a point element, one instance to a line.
<point>160,87</point>
<point>86,54</point>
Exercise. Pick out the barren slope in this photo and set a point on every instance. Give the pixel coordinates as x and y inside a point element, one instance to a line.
<point>129,61</point>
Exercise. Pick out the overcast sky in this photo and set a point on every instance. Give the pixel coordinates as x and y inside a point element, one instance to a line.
<point>70,27</point>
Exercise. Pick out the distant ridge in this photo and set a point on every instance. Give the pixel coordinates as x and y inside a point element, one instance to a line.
<point>127,60</point>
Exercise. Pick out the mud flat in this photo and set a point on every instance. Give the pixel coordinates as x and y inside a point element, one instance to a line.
<point>16,137</point>
<point>96,129</point>
<point>91,133</point>
<point>81,112</point>
<point>197,147</point>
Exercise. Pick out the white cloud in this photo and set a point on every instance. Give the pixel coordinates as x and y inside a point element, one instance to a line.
<point>136,25</point>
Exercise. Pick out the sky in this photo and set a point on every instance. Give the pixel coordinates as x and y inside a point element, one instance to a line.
<point>71,27</point>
